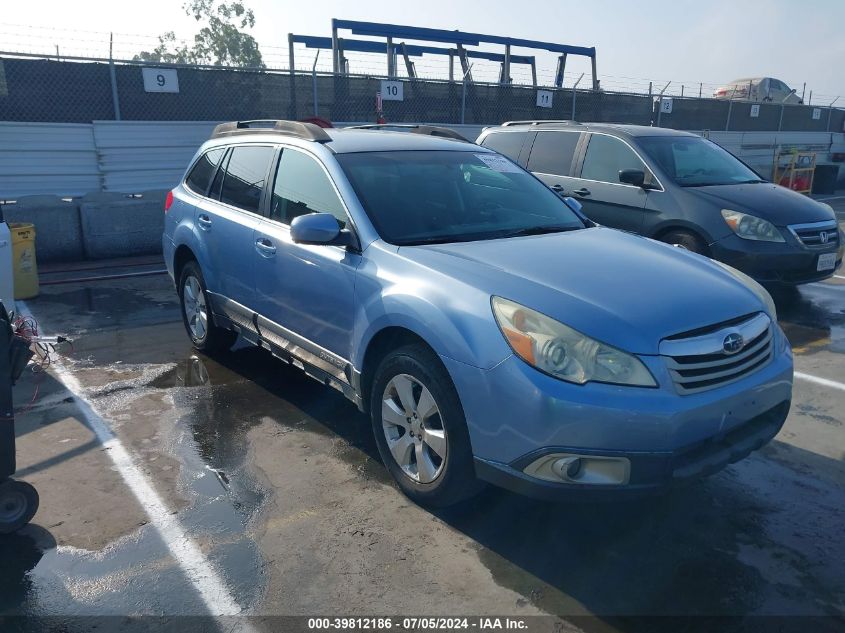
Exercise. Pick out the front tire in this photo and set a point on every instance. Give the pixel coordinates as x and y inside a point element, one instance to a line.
<point>420,428</point>
<point>196,313</point>
<point>686,240</point>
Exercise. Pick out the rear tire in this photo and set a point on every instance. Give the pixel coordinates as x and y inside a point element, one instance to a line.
<point>197,315</point>
<point>686,240</point>
<point>420,428</point>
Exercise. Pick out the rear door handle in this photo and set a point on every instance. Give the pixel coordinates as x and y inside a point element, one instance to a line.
<point>581,192</point>
<point>204,221</point>
<point>265,247</point>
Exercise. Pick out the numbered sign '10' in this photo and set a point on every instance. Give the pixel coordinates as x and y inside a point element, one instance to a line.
<point>392,91</point>
<point>160,80</point>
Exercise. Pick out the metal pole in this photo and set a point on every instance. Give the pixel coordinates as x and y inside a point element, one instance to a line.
<point>830,112</point>
<point>660,103</point>
<point>464,95</point>
<point>390,70</point>
<point>803,90</point>
<point>506,68</point>
<point>335,60</point>
<point>810,100</point>
<point>595,76</point>
<point>700,86</point>
<point>533,72</point>
<point>113,77</point>
<point>682,90</point>
<point>574,93</point>
<point>292,73</point>
<point>314,81</point>
<point>730,109</point>
<point>451,65</point>
<point>780,121</point>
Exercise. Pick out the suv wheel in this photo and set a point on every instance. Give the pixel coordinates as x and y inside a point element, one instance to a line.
<point>196,315</point>
<point>687,240</point>
<point>420,428</point>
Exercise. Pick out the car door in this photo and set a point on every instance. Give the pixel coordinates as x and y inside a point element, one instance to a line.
<point>226,220</point>
<point>305,292</point>
<point>605,199</point>
<point>551,159</point>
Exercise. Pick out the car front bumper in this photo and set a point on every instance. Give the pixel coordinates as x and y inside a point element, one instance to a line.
<point>775,262</point>
<point>516,415</point>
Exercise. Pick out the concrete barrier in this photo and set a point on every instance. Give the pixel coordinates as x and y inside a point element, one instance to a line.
<point>58,232</point>
<point>116,226</point>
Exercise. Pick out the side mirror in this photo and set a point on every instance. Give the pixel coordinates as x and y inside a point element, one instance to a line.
<point>319,228</point>
<point>634,177</point>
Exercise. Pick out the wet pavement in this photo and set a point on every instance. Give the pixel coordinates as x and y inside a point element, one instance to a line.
<point>277,481</point>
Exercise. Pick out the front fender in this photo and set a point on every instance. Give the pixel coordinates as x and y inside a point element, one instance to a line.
<point>455,320</point>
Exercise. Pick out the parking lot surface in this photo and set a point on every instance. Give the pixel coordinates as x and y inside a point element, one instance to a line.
<point>173,483</point>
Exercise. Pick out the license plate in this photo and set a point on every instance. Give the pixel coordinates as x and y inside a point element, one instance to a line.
<point>826,261</point>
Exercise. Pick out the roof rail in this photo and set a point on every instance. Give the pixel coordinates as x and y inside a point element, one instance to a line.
<point>307,131</point>
<point>541,122</point>
<point>428,130</point>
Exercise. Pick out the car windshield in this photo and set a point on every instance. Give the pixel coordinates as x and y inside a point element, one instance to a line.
<point>425,197</point>
<point>696,162</point>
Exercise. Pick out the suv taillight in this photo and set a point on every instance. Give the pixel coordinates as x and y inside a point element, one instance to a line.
<point>168,201</point>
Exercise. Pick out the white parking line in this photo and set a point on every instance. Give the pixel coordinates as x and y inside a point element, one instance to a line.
<point>198,569</point>
<point>820,381</point>
<point>839,276</point>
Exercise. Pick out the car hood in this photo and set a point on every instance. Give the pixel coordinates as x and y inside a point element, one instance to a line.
<point>624,290</point>
<point>778,205</point>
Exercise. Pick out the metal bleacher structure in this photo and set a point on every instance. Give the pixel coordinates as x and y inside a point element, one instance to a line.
<point>394,46</point>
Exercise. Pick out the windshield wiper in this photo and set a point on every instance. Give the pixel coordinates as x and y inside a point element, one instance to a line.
<point>538,230</point>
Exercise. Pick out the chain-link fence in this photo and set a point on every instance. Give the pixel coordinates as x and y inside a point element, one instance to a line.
<point>81,90</point>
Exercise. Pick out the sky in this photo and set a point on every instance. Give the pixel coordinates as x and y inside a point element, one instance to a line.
<point>686,42</point>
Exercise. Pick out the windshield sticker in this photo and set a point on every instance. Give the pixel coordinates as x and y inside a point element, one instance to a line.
<point>498,163</point>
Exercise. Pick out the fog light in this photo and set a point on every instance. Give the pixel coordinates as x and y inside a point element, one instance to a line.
<point>597,470</point>
<point>567,467</point>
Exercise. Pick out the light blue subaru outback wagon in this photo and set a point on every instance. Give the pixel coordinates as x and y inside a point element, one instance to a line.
<point>491,332</point>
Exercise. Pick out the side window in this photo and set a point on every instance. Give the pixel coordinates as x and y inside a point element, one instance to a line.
<point>200,177</point>
<point>552,152</point>
<point>302,187</point>
<point>245,176</point>
<point>606,157</point>
<point>507,143</point>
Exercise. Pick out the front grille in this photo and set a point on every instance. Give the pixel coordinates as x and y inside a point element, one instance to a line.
<point>700,362</point>
<point>817,234</point>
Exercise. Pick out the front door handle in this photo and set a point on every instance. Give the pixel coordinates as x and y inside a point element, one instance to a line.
<point>265,247</point>
<point>204,221</point>
<point>558,189</point>
<point>582,192</point>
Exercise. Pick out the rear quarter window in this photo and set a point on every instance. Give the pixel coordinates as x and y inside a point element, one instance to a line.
<point>200,177</point>
<point>507,143</point>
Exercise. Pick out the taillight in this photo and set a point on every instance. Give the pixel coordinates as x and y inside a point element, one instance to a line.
<point>168,201</point>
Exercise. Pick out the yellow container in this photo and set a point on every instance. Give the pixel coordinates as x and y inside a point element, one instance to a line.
<point>23,260</point>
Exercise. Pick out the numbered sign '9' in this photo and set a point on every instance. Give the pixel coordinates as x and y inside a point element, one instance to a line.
<point>160,79</point>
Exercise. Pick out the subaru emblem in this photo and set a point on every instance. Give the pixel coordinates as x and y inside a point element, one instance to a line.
<point>733,343</point>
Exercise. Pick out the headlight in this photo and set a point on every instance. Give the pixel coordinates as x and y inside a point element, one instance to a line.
<point>754,287</point>
<point>750,227</point>
<point>560,351</point>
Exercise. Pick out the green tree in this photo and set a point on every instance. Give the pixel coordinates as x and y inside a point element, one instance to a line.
<point>221,40</point>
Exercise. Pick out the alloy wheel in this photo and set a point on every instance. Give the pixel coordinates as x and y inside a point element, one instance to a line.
<point>413,428</point>
<point>196,314</point>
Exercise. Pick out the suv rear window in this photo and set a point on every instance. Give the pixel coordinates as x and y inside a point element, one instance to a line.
<point>507,143</point>
<point>245,176</point>
<point>202,173</point>
<point>552,152</point>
